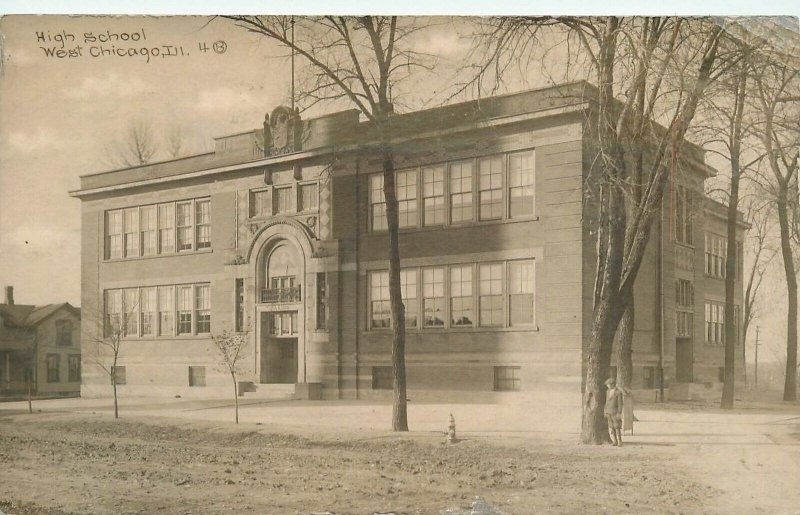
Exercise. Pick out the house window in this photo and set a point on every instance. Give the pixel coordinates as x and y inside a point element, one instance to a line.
<point>490,300</point>
<point>433,297</point>
<point>683,215</point>
<point>166,228</point>
<point>203,223</point>
<point>406,183</point>
<point>147,226</point>
<point>433,194</point>
<point>377,204</point>
<point>184,309</point>
<point>382,378</point>
<point>379,300</point>
<point>197,376</point>
<point>184,224</point>
<point>130,311</point>
<point>506,379</point>
<point>490,188</point>
<point>520,183</point>
<point>715,322</point>
<point>53,365</point>
<point>114,234</point>
<point>131,230</point>
<point>461,191</point>
<point>521,292</point>
<point>166,311</point>
<point>282,200</point>
<point>118,375</point>
<point>309,197</point>
<point>63,332</point>
<point>203,306</point>
<point>260,204</point>
<point>148,304</point>
<point>74,374</point>
<point>410,295</point>
<point>461,300</point>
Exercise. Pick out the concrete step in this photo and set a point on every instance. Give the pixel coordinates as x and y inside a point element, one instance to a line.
<point>270,391</point>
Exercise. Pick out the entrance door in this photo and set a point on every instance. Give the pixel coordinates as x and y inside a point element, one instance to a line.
<point>279,347</point>
<point>684,360</point>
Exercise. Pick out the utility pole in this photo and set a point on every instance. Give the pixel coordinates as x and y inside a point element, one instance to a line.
<point>757,344</point>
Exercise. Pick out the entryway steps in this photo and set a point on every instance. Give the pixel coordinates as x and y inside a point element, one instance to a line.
<point>267,391</point>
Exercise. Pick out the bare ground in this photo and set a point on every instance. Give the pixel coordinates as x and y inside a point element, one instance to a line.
<point>67,463</point>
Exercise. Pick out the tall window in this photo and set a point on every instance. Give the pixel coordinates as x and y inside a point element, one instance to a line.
<point>520,183</point>
<point>409,293</point>
<point>322,300</point>
<point>490,276</point>
<point>715,322</point>
<point>131,229</point>
<point>74,369</point>
<point>377,204</point>
<point>53,366</point>
<point>130,311</point>
<point>433,297</point>
<point>684,293</point>
<point>683,215</point>
<point>166,228</point>
<point>203,307</point>
<point>260,203</point>
<point>148,230</point>
<point>433,194</point>
<point>521,292</point>
<point>406,184</point>
<point>184,294</point>
<point>684,300</point>
<point>239,304</point>
<point>461,191</point>
<point>184,223</point>
<point>203,223</point>
<point>461,300</point>
<point>490,187</point>
<point>113,311</point>
<point>716,250</point>
<point>114,234</point>
<point>282,199</point>
<point>148,304</point>
<point>309,197</point>
<point>63,332</point>
<point>166,310</point>
<point>379,300</point>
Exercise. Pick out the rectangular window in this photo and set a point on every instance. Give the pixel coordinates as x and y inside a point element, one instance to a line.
<point>184,295</point>
<point>284,323</point>
<point>648,377</point>
<point>433,194</point>
<point>309,197</point>
<point>684,293</point>
<point>461,192</point>
<point>380,316</point>
<point>715,322</point>
<point>53,366</point>
<point>203,221</point>
<point>239,304</point>
<point>74,371</point>
<point>377,204</point>
<point>521,183</point>
<point>130,311</point>
<point>166,310</point>
<point>410,295</point>
<point>147,301</point>
<point>282,202</point>
<point>131,228</point>
<point>322,300</point>
<point>684,321</point>
<point>118,375</point>
<point>490,277</point>
<point>433,297</point>
<point>506,379</point>
<point>203,306</point>
<point>716,254</point>
<point>521,286</point>
<point>147,226</point>
<point>490,188</point>
<point>461,300</point>
<point>166,228</point>
<point>114,234</point>
<point>382,378</point>
<point>684,205</point>
<point>184,224</point>
<point>197,376</point>
<point>63,332</point>
<point>113,312</point>
<point>406,184</point>
<point>260,204</point>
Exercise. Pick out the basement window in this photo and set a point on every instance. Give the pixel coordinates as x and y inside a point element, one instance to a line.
<point>197,376</point>
<point>382,378</point>
<point>506,379</point>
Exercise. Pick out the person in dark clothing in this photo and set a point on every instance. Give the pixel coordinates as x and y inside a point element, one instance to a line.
<point>613,412</point>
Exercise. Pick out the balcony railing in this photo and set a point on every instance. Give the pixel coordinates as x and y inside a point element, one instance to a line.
<point>272,295</point>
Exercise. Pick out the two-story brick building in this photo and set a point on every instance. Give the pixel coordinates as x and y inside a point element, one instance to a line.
<point>281,231</point>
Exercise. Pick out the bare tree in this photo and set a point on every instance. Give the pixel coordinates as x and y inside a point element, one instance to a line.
<point>135,146</point>
<point>231,346</point>
<point>360,60</point>
<point>175,141</point>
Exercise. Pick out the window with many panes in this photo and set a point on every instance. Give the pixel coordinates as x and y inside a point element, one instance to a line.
<point>184,301</point>
<point>521,290</point>
<point>406,188</point>
<point>203,308</point>
<point>507,379</point>
<point>461,299</point>
<point>309,197</point>
<point>461,191</point>
<point>153,310</point>
<point>715,322</point>
<point>377,204</point>
<point>183,212</point>
<point>433,195</point>
<point>379,300</point>
<point>490,188</point>
<point>490,301</point>
<point>53,362</point>
<point>715,251</point>
<point>684,215</point>
<point>521,170</point>
<point>203,223</point>
<point>433,303</point>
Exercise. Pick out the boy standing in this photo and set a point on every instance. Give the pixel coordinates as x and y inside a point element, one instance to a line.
<point>613,412</point>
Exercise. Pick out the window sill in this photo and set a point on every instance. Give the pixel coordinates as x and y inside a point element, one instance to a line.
<point>464,225</point>
<point>203,336</point>
<point>157,256</point>
<point>466,330</point>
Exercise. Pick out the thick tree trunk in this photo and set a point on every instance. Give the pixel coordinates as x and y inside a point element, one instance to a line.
<point>790,384</point>
<point>624,353</point>
<point>399,406</point>
<point>730,288</point>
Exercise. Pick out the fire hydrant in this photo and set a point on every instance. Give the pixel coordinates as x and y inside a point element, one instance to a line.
<point>451,430</point>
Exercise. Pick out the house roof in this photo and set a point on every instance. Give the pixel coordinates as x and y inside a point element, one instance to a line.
<point>26,315</point>
<point>15,314</point>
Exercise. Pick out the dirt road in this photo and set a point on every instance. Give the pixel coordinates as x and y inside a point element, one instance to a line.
<point>85,463</point>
